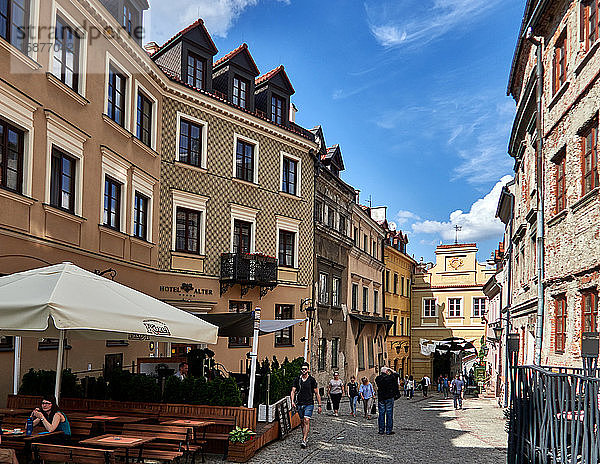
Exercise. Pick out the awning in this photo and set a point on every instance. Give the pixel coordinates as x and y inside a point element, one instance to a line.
<point>454,345</point>
<point>381,322</point>
<point>242,324</point>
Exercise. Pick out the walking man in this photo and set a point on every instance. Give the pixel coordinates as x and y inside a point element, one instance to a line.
<point>426,383</point>
<point>305,386</point>
<point>446,386</point>
<point>387,390</point>
<point>457,388</point>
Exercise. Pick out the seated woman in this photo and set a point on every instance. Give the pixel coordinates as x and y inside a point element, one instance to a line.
<point>52,419</point>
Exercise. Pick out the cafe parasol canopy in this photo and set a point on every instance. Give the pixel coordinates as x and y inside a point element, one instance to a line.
<point>65,300</point>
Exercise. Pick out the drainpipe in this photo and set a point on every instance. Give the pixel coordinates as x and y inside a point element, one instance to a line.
<point>507,366</point>
<point>540,199</point>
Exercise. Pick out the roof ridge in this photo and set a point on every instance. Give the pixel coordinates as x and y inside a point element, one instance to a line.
<point>198,22</point>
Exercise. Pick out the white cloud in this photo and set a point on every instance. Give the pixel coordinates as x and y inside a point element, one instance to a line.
<point>218,15</point>
<point>419,22</point>
<point>403,216</point>
<point>478,224</point>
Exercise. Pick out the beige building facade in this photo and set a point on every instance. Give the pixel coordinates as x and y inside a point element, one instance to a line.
<point>398,275</point>
<point>447,301</point>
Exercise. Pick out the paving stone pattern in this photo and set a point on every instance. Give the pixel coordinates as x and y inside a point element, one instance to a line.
<point>428,430</point>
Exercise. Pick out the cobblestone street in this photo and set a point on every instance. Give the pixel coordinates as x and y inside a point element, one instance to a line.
<point>427,431</point>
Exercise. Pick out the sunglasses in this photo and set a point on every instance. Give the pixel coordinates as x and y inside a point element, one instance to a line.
<point>46,402</point>
<point>304,369</point>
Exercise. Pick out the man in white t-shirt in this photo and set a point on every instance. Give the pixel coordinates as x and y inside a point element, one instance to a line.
<point>425,383</point>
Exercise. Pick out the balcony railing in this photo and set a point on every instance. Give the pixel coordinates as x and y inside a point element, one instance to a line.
<point>249,270</point>
<point>554,416</point>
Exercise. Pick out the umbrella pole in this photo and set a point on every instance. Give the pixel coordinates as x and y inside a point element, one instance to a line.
<point>59,364</point>
<point>17,366</point>
<point>253,356</point>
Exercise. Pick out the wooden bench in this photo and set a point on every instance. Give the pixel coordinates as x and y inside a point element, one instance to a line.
<point>71,454</point>
<point>217,432</point>
<point>170,444</point>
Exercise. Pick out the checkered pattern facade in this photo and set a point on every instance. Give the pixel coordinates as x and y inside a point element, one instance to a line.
<point>217,184</point>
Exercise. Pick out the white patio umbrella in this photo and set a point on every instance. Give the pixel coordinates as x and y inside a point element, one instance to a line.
<point>65,300</point>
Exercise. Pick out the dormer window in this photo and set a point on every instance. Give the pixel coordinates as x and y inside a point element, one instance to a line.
<point>127,18</point>
<point>196,68</point>
<point>240,91</point>
<point>276,109</point>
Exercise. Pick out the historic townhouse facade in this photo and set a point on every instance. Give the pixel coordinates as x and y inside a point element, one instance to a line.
<point>79,170</point>
<point>333,215</point>
<point>237,189</point>
<point>366,325</point>
<point>447,301</point>
<point>566,31</point>
<point>398,275</point>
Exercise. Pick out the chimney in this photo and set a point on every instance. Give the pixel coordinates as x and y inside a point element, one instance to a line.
<point>293,111</point>
<point>151,48</point>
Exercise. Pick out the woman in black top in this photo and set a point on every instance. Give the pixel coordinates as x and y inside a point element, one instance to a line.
<point>353,395</point>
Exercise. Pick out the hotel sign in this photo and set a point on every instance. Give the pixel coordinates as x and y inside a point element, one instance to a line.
<point>185,289</point>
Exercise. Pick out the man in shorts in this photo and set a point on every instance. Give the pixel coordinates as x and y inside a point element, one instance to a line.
<point>305,386</point>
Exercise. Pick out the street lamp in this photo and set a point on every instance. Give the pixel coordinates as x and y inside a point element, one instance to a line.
<point>497,331</point>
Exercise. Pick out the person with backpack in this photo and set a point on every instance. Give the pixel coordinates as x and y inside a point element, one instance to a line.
<point>457,388</point>
<point>446,386</point>
<point>305,386</point>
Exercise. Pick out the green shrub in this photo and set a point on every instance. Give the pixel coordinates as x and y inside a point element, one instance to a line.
<point>42,382</point>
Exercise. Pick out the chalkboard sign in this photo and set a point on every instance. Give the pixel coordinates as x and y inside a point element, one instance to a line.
<point>283,415</point>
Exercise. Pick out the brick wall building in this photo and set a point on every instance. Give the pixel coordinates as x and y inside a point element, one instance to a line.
<point>567,31</point>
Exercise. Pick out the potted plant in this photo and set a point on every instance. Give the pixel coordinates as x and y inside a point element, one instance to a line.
<point>241,444</point>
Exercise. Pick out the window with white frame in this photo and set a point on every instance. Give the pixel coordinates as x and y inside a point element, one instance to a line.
<point>323,288</point>
<point>290,174</point>
<point>245,159</point>
<point>454,307</point>
<point>365,296</point>
<point>118,92</point>
<point>146,116</point>
<point>189,222</point>
<point>114,193</point>
<point>336,291</point>
<point>243,229</point>
<point>142,187</point>
<point>192,136</point>
<point>66,53</point>
<point>14,22</point>
<point>429,307</point>
<point>288,230</point>
<point>478,307</point>
<point>64,161</point>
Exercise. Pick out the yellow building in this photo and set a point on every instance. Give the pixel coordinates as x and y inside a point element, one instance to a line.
<point>399,268</point>
<point>447,301</point>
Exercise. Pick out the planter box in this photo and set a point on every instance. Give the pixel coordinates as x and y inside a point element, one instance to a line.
<point>241,452</point>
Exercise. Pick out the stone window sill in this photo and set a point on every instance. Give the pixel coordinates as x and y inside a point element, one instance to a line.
<point>557,218</point>
<point>66,89</point>
<point>142,242</point>
<point>16,196</point>
<point>585,200</point>
<point>191,166</point>
<point>119,128</point>
<point>244,182</point>
<point>19,55</point>
<point>145,147</point>
<point>559,93</point>
<point>587,57</point>
<point>63,213</point>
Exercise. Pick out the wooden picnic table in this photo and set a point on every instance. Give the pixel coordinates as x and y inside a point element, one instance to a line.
<point>11,439</point>
<point>125,442</point>
<point>116,418</point>
<point>193,423</point>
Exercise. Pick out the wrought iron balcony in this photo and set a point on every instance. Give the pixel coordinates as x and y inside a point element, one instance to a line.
<point>249,270</point>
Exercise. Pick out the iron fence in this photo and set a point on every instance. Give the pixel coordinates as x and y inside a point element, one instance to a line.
<point>554,416</point>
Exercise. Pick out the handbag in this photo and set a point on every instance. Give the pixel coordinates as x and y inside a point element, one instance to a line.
<point>328,404</point>
<point>373,409</point>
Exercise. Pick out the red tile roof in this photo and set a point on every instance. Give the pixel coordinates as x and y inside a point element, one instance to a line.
<point>458,245</point>
<point>195,24</point>
<point>273,72</point>
<point>232,53</point>
<point>303,133</point>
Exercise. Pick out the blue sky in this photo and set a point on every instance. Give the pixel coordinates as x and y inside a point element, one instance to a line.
<point>412,90</point>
